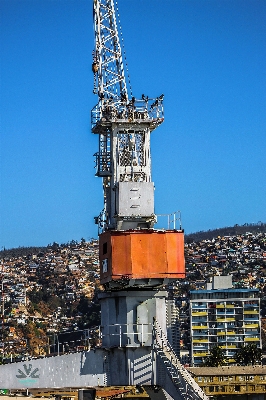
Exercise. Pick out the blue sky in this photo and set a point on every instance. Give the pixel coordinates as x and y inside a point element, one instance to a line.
<point>208,57</point>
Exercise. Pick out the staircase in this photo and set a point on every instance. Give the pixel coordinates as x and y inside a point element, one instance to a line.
<point>183,384</point>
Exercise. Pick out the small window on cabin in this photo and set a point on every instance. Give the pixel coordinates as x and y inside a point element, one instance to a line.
<point>105,248</point>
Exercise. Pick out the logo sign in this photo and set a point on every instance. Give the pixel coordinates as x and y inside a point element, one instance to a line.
<point>29,375</point>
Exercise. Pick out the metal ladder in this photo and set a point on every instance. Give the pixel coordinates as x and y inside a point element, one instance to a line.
<point>107,377</point>
<point>182,380</point>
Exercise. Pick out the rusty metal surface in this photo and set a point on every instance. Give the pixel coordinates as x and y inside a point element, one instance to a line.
<point>139,254</point>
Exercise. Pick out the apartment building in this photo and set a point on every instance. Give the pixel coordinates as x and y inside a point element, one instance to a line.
<point>225,317</point>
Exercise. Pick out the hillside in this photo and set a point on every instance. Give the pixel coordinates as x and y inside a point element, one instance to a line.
<point>50,293</point>
<point>191,237</point>
<point>235,230</point>
<point>46,292</point>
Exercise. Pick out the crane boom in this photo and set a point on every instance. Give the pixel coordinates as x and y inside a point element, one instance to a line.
<point>107,63</point>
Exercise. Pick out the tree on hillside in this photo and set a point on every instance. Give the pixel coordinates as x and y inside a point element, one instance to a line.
<point>216,357</point>
<point>249,354</point>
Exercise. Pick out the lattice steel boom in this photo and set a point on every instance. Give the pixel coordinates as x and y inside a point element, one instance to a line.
<point>107,64</point>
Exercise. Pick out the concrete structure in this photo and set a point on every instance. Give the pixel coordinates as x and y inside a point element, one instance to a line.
<point>223,317</point>
<point>154,366</point>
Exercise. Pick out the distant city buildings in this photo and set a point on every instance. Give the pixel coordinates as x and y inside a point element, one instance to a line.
<point>223,316</point>
<point>65,273</point>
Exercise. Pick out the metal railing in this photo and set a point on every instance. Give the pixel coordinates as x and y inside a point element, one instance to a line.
<point>173,220</point>
<point>108,110</point>
<point>122,335</point>
<point>181,378</point>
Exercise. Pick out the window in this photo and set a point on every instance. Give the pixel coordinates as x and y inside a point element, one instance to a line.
<point>105,248</point>
<point>105,265</point>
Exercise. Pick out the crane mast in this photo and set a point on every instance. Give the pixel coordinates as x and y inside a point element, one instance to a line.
<point>123,125</point>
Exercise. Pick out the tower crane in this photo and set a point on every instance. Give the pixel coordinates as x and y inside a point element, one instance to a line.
<point>138,356</point>
<point>123,125</point>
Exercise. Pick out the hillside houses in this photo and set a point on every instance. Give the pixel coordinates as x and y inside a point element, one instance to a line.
<point>52,291</point>
<point>34,286</point>
<point>242,256</point>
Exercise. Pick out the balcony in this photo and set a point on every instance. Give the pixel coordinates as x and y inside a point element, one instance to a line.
<point>251,339</point>
<point>251,306</point>
<point>199,327</point>
<point>224,319</point>
<point>197,306</point>
<point>230,353</point>
<point>251,312</point>
<point>250,319</point>
<point>200,341</point>
<point>251,325</point>
<point>200,347</point>
<point>198,313</point>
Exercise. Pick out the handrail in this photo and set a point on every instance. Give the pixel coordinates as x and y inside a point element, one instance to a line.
<point>189,386</point>
<point>140,332</point>
<point>117,110</point>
